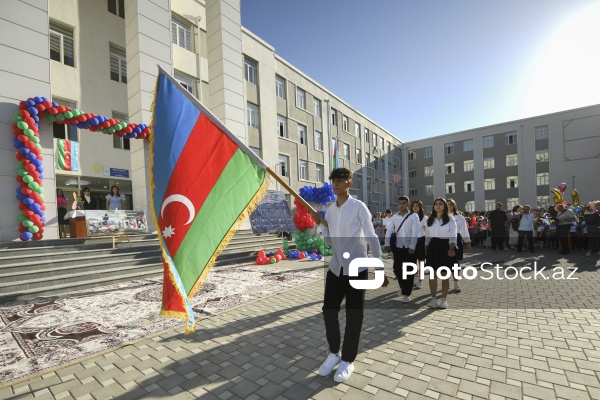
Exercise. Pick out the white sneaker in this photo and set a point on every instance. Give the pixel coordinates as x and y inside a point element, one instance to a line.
<point>443,303</point>
<point>433,303</point>
<point>457,287</point>
<point>589,253</point>
<point>329,364</point>
<point>344,371</point>
<point>419,284</point>
<point>405,299</point>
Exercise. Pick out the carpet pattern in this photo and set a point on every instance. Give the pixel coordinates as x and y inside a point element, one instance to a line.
<point>44,333</point>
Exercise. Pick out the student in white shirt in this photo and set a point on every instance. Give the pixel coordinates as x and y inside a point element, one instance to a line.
<point>347,227</point>
<point>386,221</point>
<point>526,221</point>
<point>406,225</point>
<point>440,248</point>
<point>565,218</point>
<point>417,208</point>
<point>462,235</point>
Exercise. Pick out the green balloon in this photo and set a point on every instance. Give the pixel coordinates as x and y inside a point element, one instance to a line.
<point>27,223</point>
<point>51,118</point>
<point>60,117</point>
<point>39,190</point>
<point>272,260</point>
<point>33,229</point>
<point>68,114</point>
<point>21,217</point>
<point>35,139</point>
<point>22,172</point>
<point>111,130</point>
<point>105,131</point>
<point>41,194</point>
<point>22,125</point>
<point>33,185</point>
<point>76,112</point>
<point>38,146</point>
<point>29,132</point>
<point>27,178</point>
<point>17,118</point>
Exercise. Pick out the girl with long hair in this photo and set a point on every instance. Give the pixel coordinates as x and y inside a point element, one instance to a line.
<point>115,200</point>
<point>61,205</point>
<point>462,236</point>
<point>417,208</point>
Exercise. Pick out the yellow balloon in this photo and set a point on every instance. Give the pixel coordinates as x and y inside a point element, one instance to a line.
<point>575,196</point>
<point>558,199</point>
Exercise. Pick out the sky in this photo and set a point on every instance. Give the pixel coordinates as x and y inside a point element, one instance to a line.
<point>426,68</point>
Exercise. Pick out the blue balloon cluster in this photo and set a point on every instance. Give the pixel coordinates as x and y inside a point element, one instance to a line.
<point>322,195</point>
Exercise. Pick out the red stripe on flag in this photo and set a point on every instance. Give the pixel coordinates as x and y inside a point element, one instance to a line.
<point>67,144</point>
<point>203,159</point>
<point>171,299</point>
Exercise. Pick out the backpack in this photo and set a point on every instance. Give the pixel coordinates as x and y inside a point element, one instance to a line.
<point>393,235</point>
<point>515,222</point>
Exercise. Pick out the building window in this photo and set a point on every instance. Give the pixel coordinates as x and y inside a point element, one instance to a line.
<point>449,168</point>
<point>252,115</point>
<point>543,202</point>
<point>510,138</point>
<point>303,170</point>
<point>367,158</point>
<point>346,153</point>
<point>118,63</point>
<point>318,141</point>
<point>61,44</point>
<point>317,107</point>
<point>468,165</point>
<point>282,126</point>
<point>300,98</point>
<point>541,132</point>
<point>65,131</point>
<point>428,190</point>
<point>412,155</point>
<point>395,168</point>
<point>542,178</point>
<point>255,150</point>
<point>186,81</point>
<point>320,173</point>
<point>429,170</point>
<point>541,155</point>
<point>375,162</point>
<point>412,192</point>
<point>284,162</point>
<point>488,163</point>
<point>181,32</point>
<point>117,7</point>
<point>279,87</point>
<point>250,70</point>
<point>374,139</point>
<point>489,184</point>
<point>120,142</point>
<point>488,141</point>
<point>512,160</point>
<point>369,184</point>
<point>301,134</point>
<point>450,188</point>
<point>357,181</point>
<point>449,148</point>
<point>358,157</point>
<point>357,130</point>
<point>511,202</point>
<point>470,206</point>
<point>490,205</point>
<point>334,117</point>
<point>382,160</point>
<point>345,123</point>
<point>412,173</point>
<point>512,182</point>
<point>381,143</point>
<point>366,135</point>
<point>428,152</point>
<point>469,186</point>
<point>468,145</point>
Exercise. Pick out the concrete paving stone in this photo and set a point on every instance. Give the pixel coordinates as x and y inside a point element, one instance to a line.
<point>462,373</point>
<point>64,387</point>
<point>491,374</point>
<point>383,382</point>
<point>434,372</point>
<point>554,378</point>
<point>428,359</point>
<point>473,388</point>
<point>570,393</point>
<point>582,379</point>
<point>358,381</point>
<point>381,368</point>
<point>453,360</point>
<point>270,391</point>
<point>442,386</point>
<point>413,385</point>
<point>298,392</point>
<point>108,392</point>
<point>82,389</point>
<point>408,370</point>
<point>508,391</point>
<point>244,388</point>
<point>170,382</point>
<point>508,362</point>
<point>355,394</point>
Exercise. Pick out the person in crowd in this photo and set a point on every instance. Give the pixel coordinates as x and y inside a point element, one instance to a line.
<point>115,200</point>
<point>378,226</point>
<point>565,219</point>
<point>497,221</point>
<point>386,221</point>
<point>87,200</point>
<point>526,228</point>
<point>463,240</point>
<point>417,208</point>
<point>406,224</point>
<point>592,222</point>
<point>61,205</point>
<point>513,234</point>
<point>440,248</point>
<point>481,231</point>
<point>348,228</point>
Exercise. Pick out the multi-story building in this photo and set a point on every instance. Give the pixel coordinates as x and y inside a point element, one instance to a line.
<point>515,162</point>
<point>101,57</point>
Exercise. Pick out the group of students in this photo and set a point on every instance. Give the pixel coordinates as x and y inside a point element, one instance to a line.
<point>348,227</point>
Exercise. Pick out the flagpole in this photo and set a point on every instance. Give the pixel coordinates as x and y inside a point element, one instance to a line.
<point>290,190</point>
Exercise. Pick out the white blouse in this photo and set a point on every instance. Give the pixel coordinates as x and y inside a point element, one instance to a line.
<point>437,230</point>
<point>461,227</point>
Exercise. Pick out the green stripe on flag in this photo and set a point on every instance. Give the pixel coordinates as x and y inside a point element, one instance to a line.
<point>234,190</point>
<point>61,154</point>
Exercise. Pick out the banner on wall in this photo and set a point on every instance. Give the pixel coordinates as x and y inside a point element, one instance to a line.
<point>68,155</point>
<point>272,214</point>
<point>115,222</point>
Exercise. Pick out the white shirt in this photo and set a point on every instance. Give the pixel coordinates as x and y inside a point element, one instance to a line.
<point>408,234</point>
<point>350,229</point>
<point>565,215</point>
<point>386,222</point>
<point>422,227</point>
<point>87,198</point>
<point>461,227</point>
<point>437,230</point>
<point>526,222</point>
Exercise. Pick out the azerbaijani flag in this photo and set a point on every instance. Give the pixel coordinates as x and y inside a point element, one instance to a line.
<point>334,158</point>
<point>68,155</point>
<point>204,183</point>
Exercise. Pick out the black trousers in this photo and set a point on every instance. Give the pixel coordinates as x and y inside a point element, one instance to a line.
<point>400,256</point>
<point>336,288</point>
<point>497,240</point>
<point>522,235</point>
<point>562,231</point>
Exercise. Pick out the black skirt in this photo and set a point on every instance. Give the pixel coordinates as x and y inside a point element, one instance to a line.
<point>62,211</point>
<point>420,249</point>
<point>437,254</point>
<point>459,252</point>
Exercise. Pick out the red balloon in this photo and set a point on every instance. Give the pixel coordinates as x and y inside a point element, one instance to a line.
<point>39,156</point>
<point>301,256</point>
<point>47,104</point>
<point>22,138</point>
<point>261,253</point>
<point>30,121</point>
<point>61,109</point>
<point>30,145</point>
<point>24,113</point>
<point>40,107</point>
<point>26,191</point>
<point>43,207</point>
<point>35,218</point>
<point>37,236</point>
<point>22,106</point>
<point>41,230</point>
<point>22,229</point>
<point>30,167</point>
<point>283,257</point>
<point>278,257</point>
<point>279,251</point>
<point>23,206</point>
<point>52,111</point>
<point>28,213</point>
<point>82,118</point>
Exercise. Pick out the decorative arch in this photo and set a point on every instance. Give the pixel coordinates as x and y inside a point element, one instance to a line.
<point>30,173</point>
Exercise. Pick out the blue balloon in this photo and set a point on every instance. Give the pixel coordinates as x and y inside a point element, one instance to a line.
<point>37,99</point>
<point>27,200</point>
<point>34,207</point>
<point>29,103</point>
<point>24,150</point>
<point>313,256</point>
<point>44,98</point>
<point>37,163</point>
<point>80,125</point>
<point>30,156</point>
<point>32,111</point>
<point>94,121</point>
<point>36,119</point>
<point>322,213</point>
<point>54,104</point>
<point>26,235</point>
<point>21,196</point>
<point>42,176</point>
<point>43,219</point>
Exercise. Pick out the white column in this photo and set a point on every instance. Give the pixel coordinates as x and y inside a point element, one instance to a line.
<point>24,73</point>
<point>148,38</point>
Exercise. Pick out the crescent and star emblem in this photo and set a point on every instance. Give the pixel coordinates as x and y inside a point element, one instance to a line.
<point>169,231</point>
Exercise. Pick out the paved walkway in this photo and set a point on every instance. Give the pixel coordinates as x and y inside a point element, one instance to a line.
<point>486,345</point>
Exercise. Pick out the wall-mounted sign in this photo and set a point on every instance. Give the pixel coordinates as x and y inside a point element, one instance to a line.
<point>116,172</point>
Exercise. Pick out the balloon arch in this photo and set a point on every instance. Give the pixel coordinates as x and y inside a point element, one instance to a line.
<point>30,192</point>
